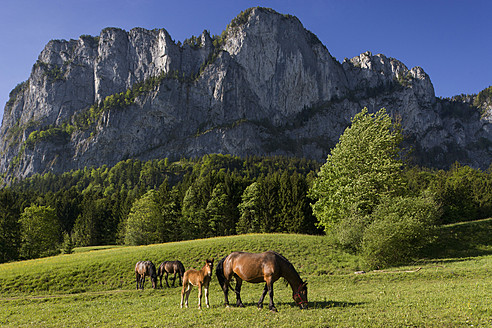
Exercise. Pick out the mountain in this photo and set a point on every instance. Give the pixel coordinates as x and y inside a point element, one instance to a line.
<point>266,86</point>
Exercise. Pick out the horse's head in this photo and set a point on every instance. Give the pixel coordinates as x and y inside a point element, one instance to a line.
<point>153,278</point>
<point>153,274</point>
<point>209,266</point>
<point>300,296</point>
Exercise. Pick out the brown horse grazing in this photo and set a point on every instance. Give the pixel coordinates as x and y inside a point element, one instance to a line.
<point>265,267</point>
<point>198,278</point>
<point>167,267</point>
<point>142,269</point>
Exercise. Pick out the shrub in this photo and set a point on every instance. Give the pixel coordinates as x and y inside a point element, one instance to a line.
<point>484,96</point>
<point>401,227</point>
<point>349,232</point>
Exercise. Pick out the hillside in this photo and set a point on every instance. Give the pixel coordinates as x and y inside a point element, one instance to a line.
<point>95,286</point>
<point>104,268</point>
<point>109,268</point>
<point>265,86</point>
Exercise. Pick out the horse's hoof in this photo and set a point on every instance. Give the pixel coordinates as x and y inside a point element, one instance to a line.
<point>273,310</point>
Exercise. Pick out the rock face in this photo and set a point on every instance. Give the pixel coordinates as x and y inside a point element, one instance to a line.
<point>266,86</point>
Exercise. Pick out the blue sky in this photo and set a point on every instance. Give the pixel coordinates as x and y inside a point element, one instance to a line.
<point>450,40</point>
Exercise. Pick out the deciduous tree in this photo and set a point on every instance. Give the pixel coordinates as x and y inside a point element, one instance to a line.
<point>363,168</point>
<point>144,224</point>
<point>40,231</point>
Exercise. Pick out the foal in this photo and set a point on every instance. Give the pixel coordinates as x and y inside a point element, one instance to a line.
<point>198,278</point>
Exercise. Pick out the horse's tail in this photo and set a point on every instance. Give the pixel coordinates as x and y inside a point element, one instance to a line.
<point>219,271</point>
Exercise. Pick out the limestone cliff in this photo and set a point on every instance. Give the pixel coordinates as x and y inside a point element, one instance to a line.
<point>266,86</point>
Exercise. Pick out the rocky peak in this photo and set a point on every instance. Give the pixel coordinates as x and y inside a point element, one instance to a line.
<point>283,61</point>
<point>368,72</point>
<point>266,86</point>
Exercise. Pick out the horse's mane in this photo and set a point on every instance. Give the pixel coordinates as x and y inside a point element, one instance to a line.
<point>289,265</point>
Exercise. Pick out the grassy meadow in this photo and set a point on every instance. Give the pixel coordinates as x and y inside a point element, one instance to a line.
<point>96,287</point>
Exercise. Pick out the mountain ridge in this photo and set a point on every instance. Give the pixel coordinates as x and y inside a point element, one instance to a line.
<point>266,86</point>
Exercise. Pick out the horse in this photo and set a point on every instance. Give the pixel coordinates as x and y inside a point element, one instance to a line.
<point>198,278</point>
<point>167,267</point>
<point>265,267</point>
<point>142,269</point>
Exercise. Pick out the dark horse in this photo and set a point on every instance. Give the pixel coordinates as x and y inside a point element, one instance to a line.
<point>265,267</point>
<point>142,269</point>
<point>167,267</point>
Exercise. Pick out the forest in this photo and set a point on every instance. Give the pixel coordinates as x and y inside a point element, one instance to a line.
<point>194,198</point>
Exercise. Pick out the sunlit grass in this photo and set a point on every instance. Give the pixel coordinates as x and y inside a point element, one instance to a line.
<point>96,288</point>
<point>112,268</point>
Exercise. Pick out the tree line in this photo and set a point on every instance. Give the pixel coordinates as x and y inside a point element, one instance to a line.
<point>156,201</point>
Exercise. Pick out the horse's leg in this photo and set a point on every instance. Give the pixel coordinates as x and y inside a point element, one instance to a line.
<point>206,295</point>
<point>200,295</point>
<point>136,278</point>
<point>174,279</point>
<point>185,293</point>
<point>226,292</point>
<point>142,281</point>
<point>167,284</point>
<point>237,289</point>
<point>183,290</point>
<point>188,291</point>
<point>270,291</point>
<point>260,302</point>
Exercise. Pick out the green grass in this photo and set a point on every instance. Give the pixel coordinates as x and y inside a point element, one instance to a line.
<point>104,269</point>
<point>95,287</point>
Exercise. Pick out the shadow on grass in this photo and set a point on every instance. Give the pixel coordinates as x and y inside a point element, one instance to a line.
<point>462,240</point>
<point>313,305</point>
<point>333,304</point>
<point>452,258</point>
